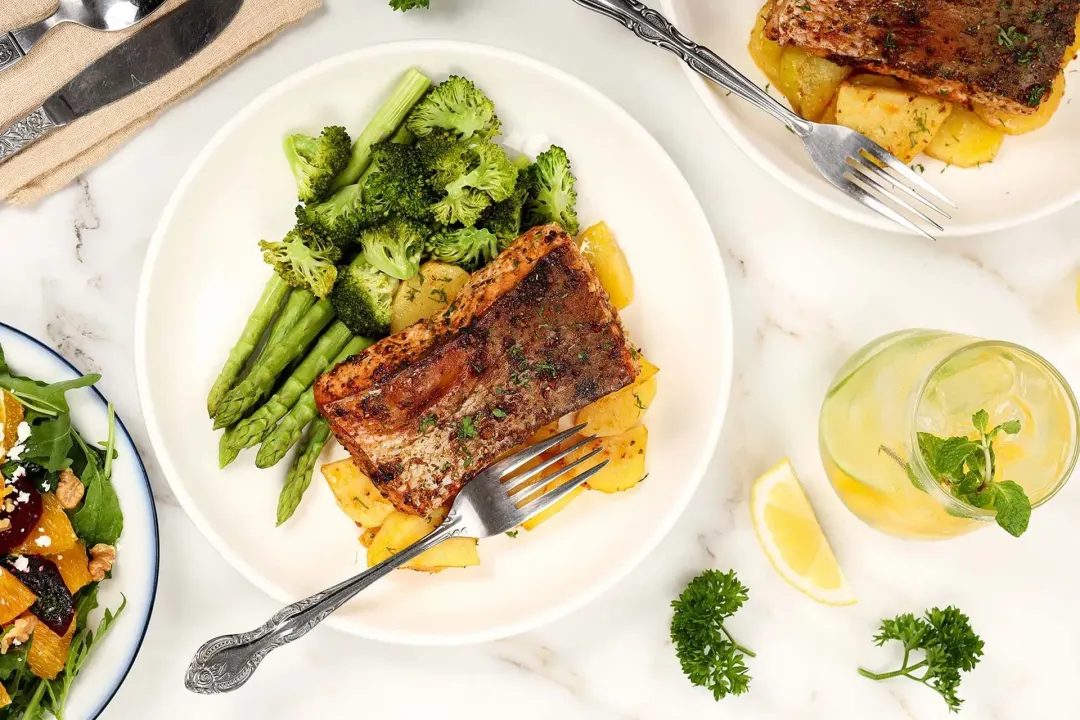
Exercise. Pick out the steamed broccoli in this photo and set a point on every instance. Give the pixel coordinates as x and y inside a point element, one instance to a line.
<point>552,197</point>
<point>471,248</point>
<point>362,298</point>
<point>504,217</point>
<point>456,105</point>
<point>395,247</point>
<point>397,183</point>
<point>404,5</point>
<point>473,176</point>
<point>339,219</point>
<point>304,259</point>
<point>315,162</point>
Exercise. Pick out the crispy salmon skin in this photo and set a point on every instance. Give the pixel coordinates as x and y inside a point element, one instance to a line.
<point>530,338</point>
<point>1001,53</point>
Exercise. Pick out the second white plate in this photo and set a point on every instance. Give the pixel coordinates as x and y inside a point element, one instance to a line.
<point>204,272</point>
<point>1030,179</point>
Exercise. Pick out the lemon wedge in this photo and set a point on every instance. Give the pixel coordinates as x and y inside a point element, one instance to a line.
<point>792,538</point>
<point>11,414</point>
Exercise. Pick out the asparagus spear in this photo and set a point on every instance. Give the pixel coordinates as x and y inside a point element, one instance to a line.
<point>410,89</point>
<point>299,477</point>
<point>273,294</point>
<point>261,377</point>
<point>287,433</point>
<point>296,306</point>
<point>251,430</point>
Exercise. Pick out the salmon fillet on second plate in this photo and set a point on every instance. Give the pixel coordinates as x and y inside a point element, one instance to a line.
<point>1003,53</point>
<point>530,338</point>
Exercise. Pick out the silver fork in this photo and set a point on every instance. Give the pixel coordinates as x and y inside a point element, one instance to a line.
<point>494,502</point>
<point>849,160</point>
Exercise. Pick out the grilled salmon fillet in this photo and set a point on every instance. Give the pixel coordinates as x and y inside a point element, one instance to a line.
<point>530,338</point>
<point>1003,53</point>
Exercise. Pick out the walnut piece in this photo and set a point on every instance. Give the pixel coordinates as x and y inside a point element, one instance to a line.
<point>102,557</point>
<point>18,633</point>
<point>70,490</point>
<point>5,524</point>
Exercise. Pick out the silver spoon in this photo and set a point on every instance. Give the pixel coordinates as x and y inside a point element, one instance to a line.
<point>96,14</point>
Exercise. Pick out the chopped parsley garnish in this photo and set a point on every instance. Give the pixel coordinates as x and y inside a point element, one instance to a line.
<point>546,368</point>
<point>517,353</point>
<point>637,403</point>
<point>511,533</point>
<point>466,428</point>
<point>440,295</point>
<point>428,422</point>
<point>890,41</point>
<point>498,413</point>
<point>1010,37</point>
<point>1035,96</point>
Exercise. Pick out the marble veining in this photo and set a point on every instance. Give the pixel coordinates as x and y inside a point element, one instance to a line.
<point>807,289</point>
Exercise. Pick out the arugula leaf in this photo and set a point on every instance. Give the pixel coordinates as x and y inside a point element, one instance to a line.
<point>44,398</point>
<point>50,443</point>
<point>99,518</point>
<point>1012,507</point>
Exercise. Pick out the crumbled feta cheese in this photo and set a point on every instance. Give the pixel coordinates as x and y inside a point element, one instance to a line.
<point>43,541</point>
<point>15,641</point>
<point>22,564</point>
<point>19,474</point>
<point>45,486</point>
<point>23,432</point>
<point>22,497</point>
<point>16,452</point>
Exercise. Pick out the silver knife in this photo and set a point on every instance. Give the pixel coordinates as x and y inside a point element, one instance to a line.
<point>145,57</point>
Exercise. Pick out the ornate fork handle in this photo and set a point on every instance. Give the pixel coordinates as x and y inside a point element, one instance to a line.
<point>10,52</point>
<point>653,27</point>
<point>40,122</point>
<point>227,662</point>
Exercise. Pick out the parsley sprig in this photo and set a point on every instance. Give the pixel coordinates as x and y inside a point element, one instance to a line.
<point>945,640</point>
<point>967,469</point>
<point>709,656</point>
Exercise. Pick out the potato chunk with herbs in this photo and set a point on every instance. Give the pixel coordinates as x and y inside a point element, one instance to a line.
<point>965,140</point>
<point>902,122</point>
<point>428,293</point>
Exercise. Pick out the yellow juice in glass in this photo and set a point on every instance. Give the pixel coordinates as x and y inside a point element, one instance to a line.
<point>933,382</point>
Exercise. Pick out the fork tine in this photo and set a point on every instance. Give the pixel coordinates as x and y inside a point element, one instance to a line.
<point>522,494</point>
<point>859,193</point>
<point>548,499</point>
<point>508,465</point>
<point>880,187</point>
<point>874,169</point>
<point>514,484</point>
<point>882,155</point>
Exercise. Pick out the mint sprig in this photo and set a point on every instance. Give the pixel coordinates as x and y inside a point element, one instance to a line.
<point>967,467</point>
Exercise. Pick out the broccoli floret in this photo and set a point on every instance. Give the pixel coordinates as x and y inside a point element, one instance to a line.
<point>395,247</point>
<point>397,183</point>
<point>404,5</point>
<point>315,162</point>
<point>471,248</point>
<point>504,217</point>
<point>456,105</point>
<point>362,298</point>
<point>484,174</point>
<point>304,259</point>
<point>552,197</point>
<point>340,218</point>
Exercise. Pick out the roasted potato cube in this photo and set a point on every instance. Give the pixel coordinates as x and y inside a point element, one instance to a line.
<point>965,140</point>
<point>601,249</point>
<point>765,53</point>
<point>626,461</point>
<point>428,293</point>
<point>356,495</point>
<point>809,82</point>
<point>616,413</point>
<point>537,520</point>
<point>400,530</point>
<point>1016,124</point>
<point>902,122</point>
<point>873,80</point>
<point>368,536</point>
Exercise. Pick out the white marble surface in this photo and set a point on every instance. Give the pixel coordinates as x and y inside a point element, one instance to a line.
<point>808,290</point>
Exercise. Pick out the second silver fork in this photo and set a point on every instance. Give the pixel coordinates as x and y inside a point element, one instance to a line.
<point>494,502</point>
<point>849,160</point>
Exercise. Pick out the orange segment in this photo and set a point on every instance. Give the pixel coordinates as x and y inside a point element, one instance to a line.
<point>74,567</point>
<point>11,414</point>
<point>48,652</point>
<point>15,598</point>
<point>53,534</point>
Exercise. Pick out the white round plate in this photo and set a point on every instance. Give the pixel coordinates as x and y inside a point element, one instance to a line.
<point>137,558</point>
<point>1030,178</point>
<point>204,273</point>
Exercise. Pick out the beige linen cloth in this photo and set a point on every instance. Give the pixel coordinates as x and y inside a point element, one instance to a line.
<point>56,160</point>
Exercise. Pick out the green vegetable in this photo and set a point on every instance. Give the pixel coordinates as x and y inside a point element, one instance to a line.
<point>261,378</point>
<point>363,297</point>
<point>251,430</point>
<point>473,176</point>
<point>315,162</point>
<point>709,656</point>
<point>947,642</point>
<point>504,218</point>
<point>412,86</point>
<point>552,197</point>
<point>296,306</point>
<point>99,518</point>
<point>304,259</point>
<point>397,183</point>
<point>287,433</point>
<point>273,294</point>
<point>299,477</point>
<point>404,5</point>
<point>456,105</point>
<point>338,219</point>
<point>967,468</point>
<point>471,248</point>
<point>395,247</point>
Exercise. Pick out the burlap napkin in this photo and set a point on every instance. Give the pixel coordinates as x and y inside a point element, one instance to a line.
<point>58,159</point>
